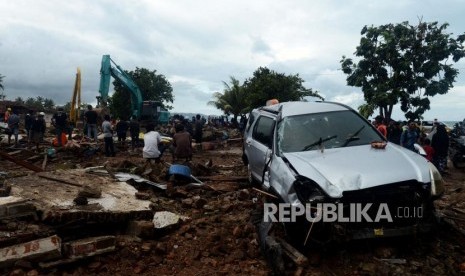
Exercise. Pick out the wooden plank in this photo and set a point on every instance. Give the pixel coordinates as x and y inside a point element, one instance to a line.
<point>298,258</point>
<point>45,162</point>
<point>22,163</point>
<point>60,180</point>
<point>223,178</point>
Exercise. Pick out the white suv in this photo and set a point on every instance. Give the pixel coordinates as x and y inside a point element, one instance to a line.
<point>312,152</point>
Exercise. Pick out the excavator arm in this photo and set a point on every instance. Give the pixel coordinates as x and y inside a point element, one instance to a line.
<point>76,99</point>
<point>106,72</point>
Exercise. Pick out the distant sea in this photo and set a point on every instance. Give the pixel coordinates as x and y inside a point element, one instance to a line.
<point>450,124</point>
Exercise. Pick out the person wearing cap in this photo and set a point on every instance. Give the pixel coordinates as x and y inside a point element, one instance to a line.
<point>7,115</point>
<point>38,129</point>
<point>13,126</point>
<point>59,120</point>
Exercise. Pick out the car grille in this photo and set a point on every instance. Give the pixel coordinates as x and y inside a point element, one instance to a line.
<point>405,201</point>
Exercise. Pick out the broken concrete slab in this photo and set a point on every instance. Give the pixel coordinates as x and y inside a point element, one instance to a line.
<point>89,247</point>
<point>84,248</point>
<point>43,249</point>
<point>165,219</point>
<point>141,229</point>
<point>55,201</point>
<point>15,207</point>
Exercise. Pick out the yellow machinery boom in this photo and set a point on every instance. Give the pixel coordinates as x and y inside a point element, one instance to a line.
<point>76,99</point>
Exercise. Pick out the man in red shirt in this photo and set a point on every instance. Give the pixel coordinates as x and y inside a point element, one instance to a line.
<point>379,122</point>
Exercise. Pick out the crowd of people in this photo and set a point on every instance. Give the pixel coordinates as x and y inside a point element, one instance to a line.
<point>407,134</point>
<point>184,131</point>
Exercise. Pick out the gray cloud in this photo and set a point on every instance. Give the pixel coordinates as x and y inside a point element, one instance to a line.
<point>199,45</point>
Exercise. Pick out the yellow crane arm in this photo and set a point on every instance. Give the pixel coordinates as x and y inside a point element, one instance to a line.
<point>76,99</point>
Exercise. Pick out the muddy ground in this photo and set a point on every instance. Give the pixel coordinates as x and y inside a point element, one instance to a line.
<point>219,237</point>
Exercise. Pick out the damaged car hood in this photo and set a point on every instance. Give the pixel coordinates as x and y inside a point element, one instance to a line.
<point>359,167</point>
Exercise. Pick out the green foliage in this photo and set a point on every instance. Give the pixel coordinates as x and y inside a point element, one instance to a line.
<point>153,86</point>
<point>67,107</point>
<point>267,84</point>
<point>366,110</point>
<point>232,100</point>
<point>404,64</point>
<point>49,104</point>
<point>39,103</point>
<point>19,100</point>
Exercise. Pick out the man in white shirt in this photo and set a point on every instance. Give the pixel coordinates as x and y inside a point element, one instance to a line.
<point>151,140</point>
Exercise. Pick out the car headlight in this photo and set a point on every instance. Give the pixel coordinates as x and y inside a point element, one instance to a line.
<point>437,183</point>
<point>308,191</point>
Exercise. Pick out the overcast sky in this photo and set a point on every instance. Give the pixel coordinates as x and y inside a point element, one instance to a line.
<point>199,44</point>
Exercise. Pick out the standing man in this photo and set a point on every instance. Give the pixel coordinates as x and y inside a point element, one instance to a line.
<point>91,121</point>
<point>108,137</point>
<point>59,120</point>
<point>182,143</point>
<point>134,129</point>
<point>380,126</point>
<point>13,126</point>
<point>409,137</point>
<point>28,120</point>
<point>198,132</point>
<point>38,130</point>
<point>121,130</point>
<point>6,115</point>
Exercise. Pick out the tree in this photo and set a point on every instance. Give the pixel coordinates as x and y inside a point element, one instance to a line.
<point>19,100</point>
<point>153,87</point>
<point>232,100</point>
<point>2,96</point>
<point>267,84</point>
<point>404,64</point>
<point>1,82</point>
<point>30,102</point>
<point>366,110</point>
<point>49,104</point>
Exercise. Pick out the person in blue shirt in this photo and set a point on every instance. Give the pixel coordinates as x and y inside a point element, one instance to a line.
<point>409,137</point>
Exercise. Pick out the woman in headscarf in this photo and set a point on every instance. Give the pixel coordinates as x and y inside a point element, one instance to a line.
<point>440,144</point>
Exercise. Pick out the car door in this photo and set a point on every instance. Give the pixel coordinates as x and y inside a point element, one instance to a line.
<point>259,144</point>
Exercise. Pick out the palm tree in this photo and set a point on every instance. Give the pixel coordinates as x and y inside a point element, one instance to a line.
<point>19,100</point>
<point>2,96</point>
<point>1,82</point>
<point>232,100</point>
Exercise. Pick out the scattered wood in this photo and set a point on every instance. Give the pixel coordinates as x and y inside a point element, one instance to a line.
<point>45,162</point>
<point>33,158</point>
<point>60,180</point>
<point>265,193</point>
<point>15,152</point>
<point>20,162</point>
<point>223,178</point>
<point>298,258</point>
